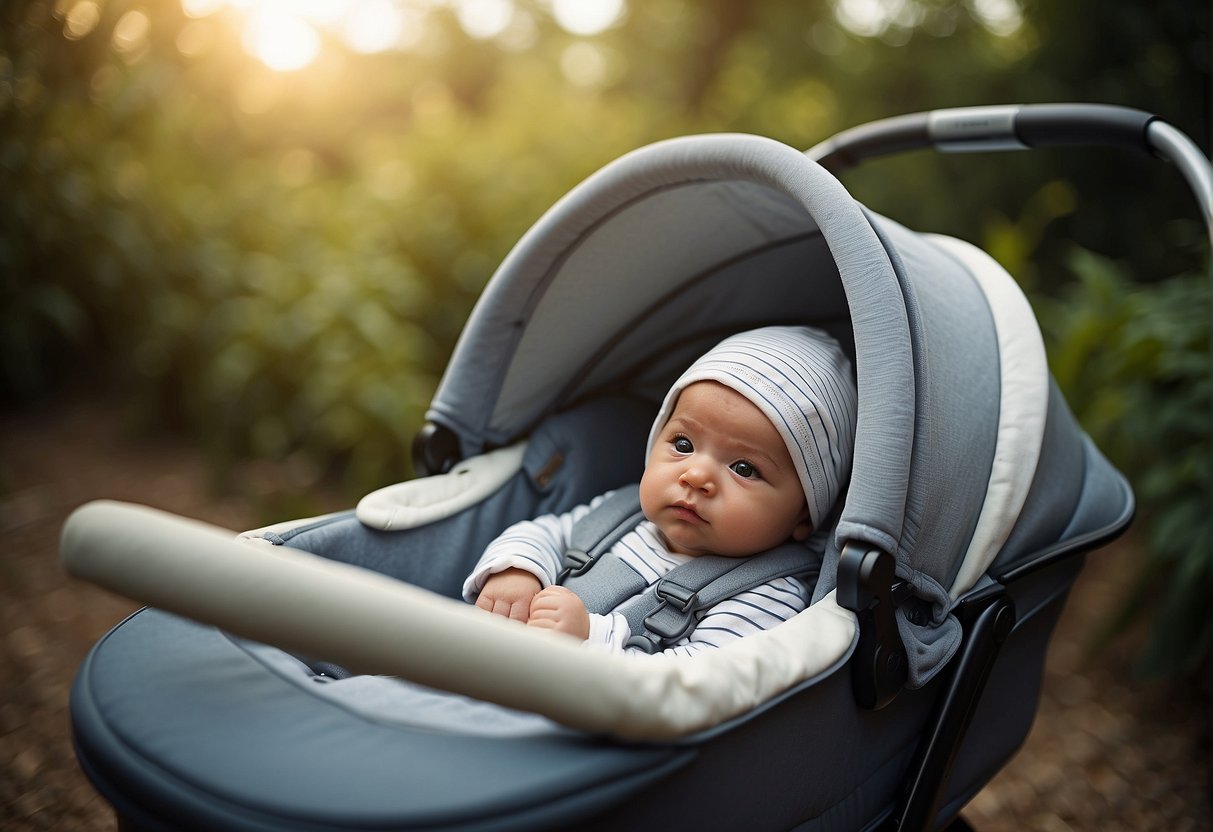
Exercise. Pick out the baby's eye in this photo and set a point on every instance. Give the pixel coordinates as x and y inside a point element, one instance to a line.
<point>744,469</point>
<point>683,445</point>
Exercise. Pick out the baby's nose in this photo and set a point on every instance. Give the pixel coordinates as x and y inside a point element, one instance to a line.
<point>697,477</point>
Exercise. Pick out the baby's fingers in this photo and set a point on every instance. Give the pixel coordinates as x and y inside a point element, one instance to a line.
<point>550,598</point>
<point>517,610</point>
<point>544,620</point>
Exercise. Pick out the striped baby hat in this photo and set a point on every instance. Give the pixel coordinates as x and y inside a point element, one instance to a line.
<point>799,377</point>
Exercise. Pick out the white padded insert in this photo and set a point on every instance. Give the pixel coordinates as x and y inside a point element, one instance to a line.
<point>1023,406</point>
<point>407,505</point>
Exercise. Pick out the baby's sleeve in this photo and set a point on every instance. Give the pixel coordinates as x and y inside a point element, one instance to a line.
<point>609,630</point>
<point>537,546</point>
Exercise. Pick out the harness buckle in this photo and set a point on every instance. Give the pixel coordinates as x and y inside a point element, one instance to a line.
<point>576,562</point>
<point>676,595</point>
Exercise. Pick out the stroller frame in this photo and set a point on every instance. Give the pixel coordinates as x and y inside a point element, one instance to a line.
<point>867,583</point>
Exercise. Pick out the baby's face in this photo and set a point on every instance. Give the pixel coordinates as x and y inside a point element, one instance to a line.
<point>719,480</point>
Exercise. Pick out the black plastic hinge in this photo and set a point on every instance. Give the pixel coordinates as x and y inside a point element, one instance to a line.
<point>866,587</point>
<point>435,450</point>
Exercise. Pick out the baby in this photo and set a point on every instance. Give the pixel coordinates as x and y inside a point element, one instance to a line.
<point>750,449</point>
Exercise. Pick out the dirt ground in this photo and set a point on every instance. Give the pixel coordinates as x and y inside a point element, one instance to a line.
<point>1106,752</point>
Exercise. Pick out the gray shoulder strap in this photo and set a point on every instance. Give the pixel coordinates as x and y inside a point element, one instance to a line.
<point>601,528</point>
<point>661,614</point>
<point>672,606</point>
<point>592,536</point>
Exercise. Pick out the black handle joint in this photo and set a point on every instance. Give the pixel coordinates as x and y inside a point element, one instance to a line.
<point>866,587</point>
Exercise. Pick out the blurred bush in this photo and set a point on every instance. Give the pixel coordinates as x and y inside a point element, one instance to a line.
<point>276,273</point>
<point>1134,362</point>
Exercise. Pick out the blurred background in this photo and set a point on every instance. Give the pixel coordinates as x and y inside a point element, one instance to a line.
<point>254,228</point>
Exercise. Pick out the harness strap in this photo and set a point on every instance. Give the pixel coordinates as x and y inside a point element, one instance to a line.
<point>660,615</point>
<point>599,530</point>
<point>668,610</point>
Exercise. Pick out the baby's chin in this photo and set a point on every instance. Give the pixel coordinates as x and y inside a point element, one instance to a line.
<point>679,544</point>
<point>695,547</point>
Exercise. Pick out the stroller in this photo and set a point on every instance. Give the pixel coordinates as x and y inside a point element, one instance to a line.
<point>912,678</point>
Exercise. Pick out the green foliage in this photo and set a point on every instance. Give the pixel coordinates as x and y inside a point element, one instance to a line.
<point>272,282</point>
<point>1134,362</point>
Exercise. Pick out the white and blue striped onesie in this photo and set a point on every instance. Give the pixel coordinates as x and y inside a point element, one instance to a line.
<point>538,546</point>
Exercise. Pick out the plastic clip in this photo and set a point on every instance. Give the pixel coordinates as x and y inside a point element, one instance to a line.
<point>676,596</point>
<point>576,562</point>
<point>865,586</point>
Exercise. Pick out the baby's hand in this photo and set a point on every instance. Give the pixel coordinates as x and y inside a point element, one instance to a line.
<point>509,593</point>
<point>557,608</point>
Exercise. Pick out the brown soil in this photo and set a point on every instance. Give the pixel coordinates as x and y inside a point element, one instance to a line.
<point>1106,752</point>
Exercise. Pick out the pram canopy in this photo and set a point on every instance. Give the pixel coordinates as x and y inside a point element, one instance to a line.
<point>682,242</point>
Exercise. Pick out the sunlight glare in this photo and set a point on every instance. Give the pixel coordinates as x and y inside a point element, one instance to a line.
<point>892,20</point>
<point>326,13</point>
<point>280,39</point>
<point>130,36</point>
<point>201,8</point>
<point>81,19</point>
<point>1001,17</point>
<point>583,64</point>
<point>131,31</point>
<point>587,17</point>
<point>286,34</point>
<point>484,19</point>
<point>866,18</point>
<point>377,26</point>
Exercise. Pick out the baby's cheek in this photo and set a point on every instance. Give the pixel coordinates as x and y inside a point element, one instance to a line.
<point>650,493</point>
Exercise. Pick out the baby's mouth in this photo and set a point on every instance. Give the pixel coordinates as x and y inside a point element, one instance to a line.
<point>685,511</point>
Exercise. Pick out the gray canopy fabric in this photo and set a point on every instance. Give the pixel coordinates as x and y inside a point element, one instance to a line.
<point>670,248</point>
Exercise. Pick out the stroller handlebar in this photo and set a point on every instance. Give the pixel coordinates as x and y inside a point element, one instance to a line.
<point>981,129</point>
<point>1175,146</point>
<point>1022,127</point>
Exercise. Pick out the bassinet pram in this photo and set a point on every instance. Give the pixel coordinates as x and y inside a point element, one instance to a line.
<point>971,483</point>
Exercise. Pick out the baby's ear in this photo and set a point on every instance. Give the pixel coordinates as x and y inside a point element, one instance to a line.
<point>803,527</point>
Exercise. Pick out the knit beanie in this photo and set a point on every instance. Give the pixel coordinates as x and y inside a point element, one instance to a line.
<point>799,377</point>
